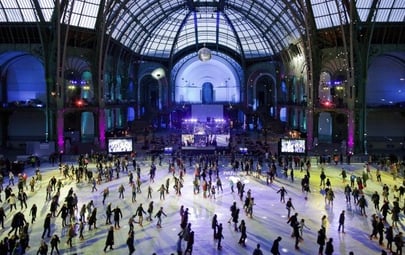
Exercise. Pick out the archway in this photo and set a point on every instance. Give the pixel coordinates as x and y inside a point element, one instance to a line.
<point>20,86</point>
<point>325,127</point>
<point>207,93</point>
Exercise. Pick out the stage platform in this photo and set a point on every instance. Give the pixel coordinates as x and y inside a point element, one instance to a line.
<point>198,150</point>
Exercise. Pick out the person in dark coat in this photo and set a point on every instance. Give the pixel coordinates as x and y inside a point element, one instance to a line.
<point>275,248</point>
<point>257,251</point>
<point>380,230</point>
<point>190,243</point>
<point>130,242</point>
<point>220,236</point>
<point>109,242</point>
<point>235,218</point>
<point>329,247</point>
<point>17,222</point>
<point>297,235</point>
<point>54,243</point>
<point>117,216</point>
<point>321,240</point>
<point>2,216</point>
<point>47,225</point>
<point>33,213</point>
<point>93,219</point>
<point>342,221</point>
<point>214,225</point>
<point>243,236</point>
<point>139,212</point>
<point>389,235</point>
<point>43,248</point>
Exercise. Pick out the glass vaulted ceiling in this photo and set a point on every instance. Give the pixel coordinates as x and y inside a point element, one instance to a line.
<point>161,28</point>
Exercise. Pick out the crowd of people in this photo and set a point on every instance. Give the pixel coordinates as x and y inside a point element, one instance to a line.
<point>64,185</point>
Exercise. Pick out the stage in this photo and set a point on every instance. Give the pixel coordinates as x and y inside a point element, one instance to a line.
<point>198,150</point>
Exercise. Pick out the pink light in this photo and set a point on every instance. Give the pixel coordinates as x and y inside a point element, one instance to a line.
<point>101,128</point>
<point>60,128</point>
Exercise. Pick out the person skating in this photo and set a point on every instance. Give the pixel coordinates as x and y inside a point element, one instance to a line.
<point>43,248</point>
<point>276,246</point>
<point>159,216</point>
<point>162,191</point>
<point>342,221</point>
<point>47,226</point>
<point>399,243</point>
<point>348,192</point>
<point>374,223</point>
<point>117,216</point>
<point>108,213</point>
<point>324,222</point>
<point>71,235</point>
<point>389,236</point>
<point>130,242</point>
<point>257,251</point>
<point>81,229</point>
<point>93,219</point>
<point>243,235</point>
<point>289,206</point>
<point>214,225</point>
<point>150,192</point>
<point>296,234</point>
<point>121,190</point>
<point>109,242</point>
<point>54,243</point>
<point>105,194</point>
<point>380,231</point>
<point>190,243</point>
<point>302,226</point>
<point>139,212</point>
<point>235,219</point>
<point>329,247</point>
<point>232,209</point>
<point>321,240</point>
<point>375,197</point>
<point>33,213</point>
<point>219,236</point>
<point>2,217</point>
<point>293,220</point>
<point>282,192</point>
<point>362,203</point>
<point>150,211</point>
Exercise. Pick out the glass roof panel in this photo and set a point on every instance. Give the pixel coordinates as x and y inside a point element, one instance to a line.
<point>252,40</point>
<point>24,10</point>
<point>329,9</point>
<point>382,14</point>
<point>397,15</point>
<point>399,4</point>
<point>363,4</point>
<point>363,14</point>
<point>47,8</point>
<point>24,4</point>
<point>2,16</point>
<point>14,15</point>
<point>84,13</point>
<point>386,4</point>
<point>10,4</point>
<point>29,15</point>
<point>159,41</point>
<point>187,34</point>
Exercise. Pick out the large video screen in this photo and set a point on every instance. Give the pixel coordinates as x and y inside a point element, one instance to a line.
<point>292,146</point>
<point>120,145</point>
<point>222,140</point>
